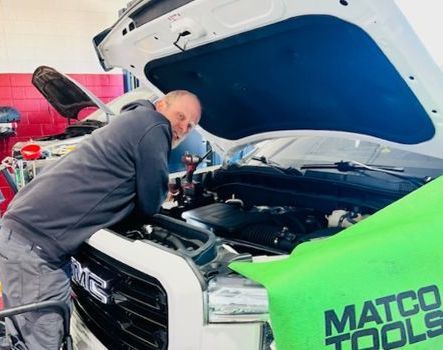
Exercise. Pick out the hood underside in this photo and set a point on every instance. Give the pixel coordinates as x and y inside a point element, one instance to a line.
<point>274,68</point>
<point>64,94</point>
<point>309,72</point>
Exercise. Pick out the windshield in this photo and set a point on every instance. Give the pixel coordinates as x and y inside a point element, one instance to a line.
<point>298,151</point>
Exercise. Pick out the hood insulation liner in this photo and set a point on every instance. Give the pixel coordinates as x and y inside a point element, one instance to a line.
<point>310,72</point>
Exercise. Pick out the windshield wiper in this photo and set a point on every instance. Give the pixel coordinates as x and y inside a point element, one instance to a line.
<point>273,165</point>
<point>353,165</point>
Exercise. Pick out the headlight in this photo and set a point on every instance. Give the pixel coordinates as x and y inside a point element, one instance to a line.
<point>236,299</point>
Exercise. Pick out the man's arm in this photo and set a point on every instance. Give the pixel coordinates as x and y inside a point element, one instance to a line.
<point>152,169</point>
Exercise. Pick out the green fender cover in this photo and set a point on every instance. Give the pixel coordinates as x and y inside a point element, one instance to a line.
<point>375,285</point>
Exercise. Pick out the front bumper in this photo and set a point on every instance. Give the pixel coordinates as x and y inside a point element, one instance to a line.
<point>187,325</point>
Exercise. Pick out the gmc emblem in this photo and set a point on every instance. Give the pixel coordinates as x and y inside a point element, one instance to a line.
<point>92,283</point>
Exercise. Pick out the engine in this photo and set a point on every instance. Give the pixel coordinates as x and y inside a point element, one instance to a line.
<point>214,214</point>
<point>275,229</point>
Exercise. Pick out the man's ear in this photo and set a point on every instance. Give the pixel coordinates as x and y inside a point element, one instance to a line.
<point>160,105</point>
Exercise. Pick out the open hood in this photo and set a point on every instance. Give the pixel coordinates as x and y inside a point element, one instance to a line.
<point>67,96</point>
<point>273,68</point>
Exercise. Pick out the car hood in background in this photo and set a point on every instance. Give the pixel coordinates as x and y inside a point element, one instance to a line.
<point>66,95</point>
<point>272,68</point>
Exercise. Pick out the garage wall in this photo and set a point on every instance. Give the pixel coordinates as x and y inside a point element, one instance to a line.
<point>57,34</point>
<point>53,32</point>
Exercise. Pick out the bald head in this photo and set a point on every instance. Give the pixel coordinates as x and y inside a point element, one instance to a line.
<point>177,94</point>
<point>183,110</point>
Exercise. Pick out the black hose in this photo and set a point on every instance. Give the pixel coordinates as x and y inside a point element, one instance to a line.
<point>166,236</point>
<point>176,242</point>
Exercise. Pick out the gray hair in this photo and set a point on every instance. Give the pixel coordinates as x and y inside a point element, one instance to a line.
<point>172,95</point>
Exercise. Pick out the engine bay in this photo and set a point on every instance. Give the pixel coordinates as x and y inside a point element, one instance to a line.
<point>240,212</point>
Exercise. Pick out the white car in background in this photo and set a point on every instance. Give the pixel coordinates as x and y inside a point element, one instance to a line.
<point>69,98</point>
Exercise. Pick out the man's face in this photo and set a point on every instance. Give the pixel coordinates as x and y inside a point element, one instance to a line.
<point>183,113</point>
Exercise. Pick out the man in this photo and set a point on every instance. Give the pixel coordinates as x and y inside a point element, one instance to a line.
<point>120,167</point>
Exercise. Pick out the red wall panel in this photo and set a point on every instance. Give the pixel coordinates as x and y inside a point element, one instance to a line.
<point>38,118</point>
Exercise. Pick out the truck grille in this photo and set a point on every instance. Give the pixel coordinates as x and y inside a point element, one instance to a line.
<point>136,315</point>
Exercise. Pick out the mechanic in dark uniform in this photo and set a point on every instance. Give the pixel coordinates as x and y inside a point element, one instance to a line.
<point>120,167</point>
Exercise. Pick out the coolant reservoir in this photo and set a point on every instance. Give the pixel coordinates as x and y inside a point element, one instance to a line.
<point>344,218</point>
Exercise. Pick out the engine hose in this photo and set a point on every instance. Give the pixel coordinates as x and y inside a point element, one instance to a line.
<point>176,242</point>
<point>267,235</point>
<point>290,221</point>
<point>166,236</point>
